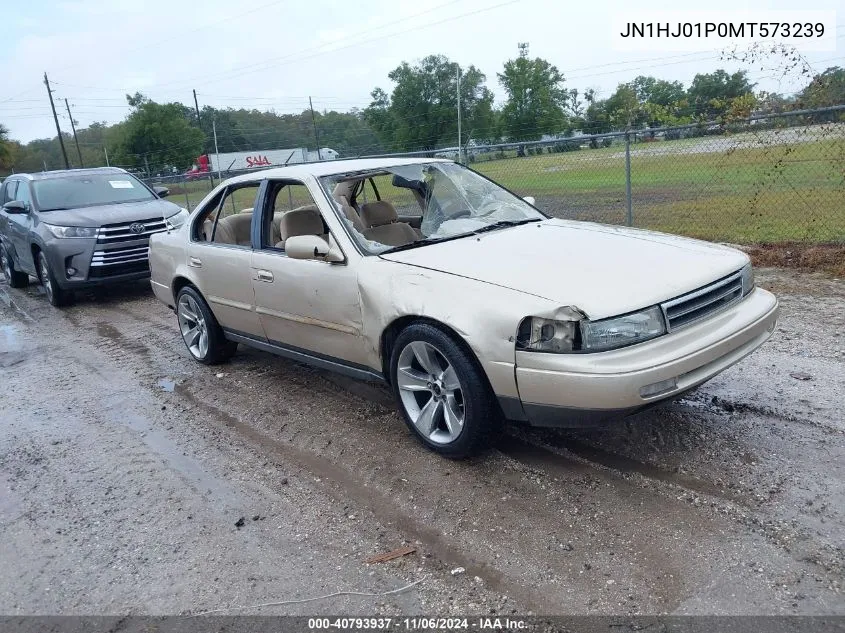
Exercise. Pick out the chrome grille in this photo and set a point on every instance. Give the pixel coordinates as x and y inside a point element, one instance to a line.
<point>123,255</point>
<point>116,233</point>
<point>703,302</point>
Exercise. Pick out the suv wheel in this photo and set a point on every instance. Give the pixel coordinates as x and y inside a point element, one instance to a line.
<point>443,394</point>
<point>15,278</point>
<point>55,295</point>
<point>202,334</point>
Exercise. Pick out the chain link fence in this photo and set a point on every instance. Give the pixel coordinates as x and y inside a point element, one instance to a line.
<point>769,179</point>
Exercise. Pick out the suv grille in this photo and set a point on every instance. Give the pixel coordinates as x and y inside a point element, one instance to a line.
<point>702,302</point>
<point>121,250</point>
<point>115,233</point>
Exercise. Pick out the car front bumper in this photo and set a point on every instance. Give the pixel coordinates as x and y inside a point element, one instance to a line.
<point>77,254</point>
<point>577,390</point>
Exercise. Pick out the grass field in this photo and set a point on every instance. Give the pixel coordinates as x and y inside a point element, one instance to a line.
<point>747,188</point>
<point>778,193</point>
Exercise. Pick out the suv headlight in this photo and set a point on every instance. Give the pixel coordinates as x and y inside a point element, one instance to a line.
<point>546,335</point>
<point>71,231</point>
<point>747,275</point>
<point>177,219</point>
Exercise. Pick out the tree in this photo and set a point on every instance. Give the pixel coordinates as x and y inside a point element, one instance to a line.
<point>658,91</point>
<point>536,98</point>
<point>421,112</point>
<point>710,94</point>
<point>6,148</point>
<point>158,135</point>
<point>826,89</point>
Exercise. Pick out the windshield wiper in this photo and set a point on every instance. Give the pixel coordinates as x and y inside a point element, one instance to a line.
<point>503,223</point>
<point>409,245</point>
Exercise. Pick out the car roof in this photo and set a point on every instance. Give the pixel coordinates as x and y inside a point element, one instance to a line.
<point>63,173</point>
<point>333,167</point>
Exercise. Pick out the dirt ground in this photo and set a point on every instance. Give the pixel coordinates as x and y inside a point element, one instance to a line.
<point>125,466</point>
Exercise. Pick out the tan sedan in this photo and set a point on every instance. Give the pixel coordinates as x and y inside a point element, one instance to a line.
<point>468,301</point>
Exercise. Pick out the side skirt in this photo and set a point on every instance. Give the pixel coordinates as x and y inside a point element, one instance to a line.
<point>353,370</point>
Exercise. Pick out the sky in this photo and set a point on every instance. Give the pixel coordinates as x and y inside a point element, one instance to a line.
<point>274,54</point>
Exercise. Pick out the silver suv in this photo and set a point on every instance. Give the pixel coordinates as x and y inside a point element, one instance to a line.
<point>80,228</point>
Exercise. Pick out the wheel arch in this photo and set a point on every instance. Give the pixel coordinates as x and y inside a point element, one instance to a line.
<point>395,327</point>
<point>180,282</point>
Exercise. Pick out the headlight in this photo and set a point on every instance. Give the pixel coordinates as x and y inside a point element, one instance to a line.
<point>546,335</point>
<point>747,274</point>
<point>177,219</point>
<point>71,231</point>
<point>598,336</point>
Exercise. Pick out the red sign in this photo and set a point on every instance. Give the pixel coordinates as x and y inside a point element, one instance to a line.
<point>257,161</point>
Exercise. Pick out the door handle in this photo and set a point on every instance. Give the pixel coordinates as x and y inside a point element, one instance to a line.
<point>196,262</point>
<point>264,275</point>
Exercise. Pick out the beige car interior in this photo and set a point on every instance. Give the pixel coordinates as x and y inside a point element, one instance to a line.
<point>377,220</point>
<point>305,220</point>
<point>382,224</point>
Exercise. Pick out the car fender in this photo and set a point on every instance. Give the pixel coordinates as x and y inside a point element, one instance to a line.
<point>485,316</point>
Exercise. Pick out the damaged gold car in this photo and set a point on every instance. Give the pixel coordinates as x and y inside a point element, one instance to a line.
<point>472,304</point>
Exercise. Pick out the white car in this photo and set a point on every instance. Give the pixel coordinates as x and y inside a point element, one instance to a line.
<point>468,301</point>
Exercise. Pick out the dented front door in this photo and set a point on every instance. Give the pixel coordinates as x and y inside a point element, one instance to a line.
<point>309,305</point>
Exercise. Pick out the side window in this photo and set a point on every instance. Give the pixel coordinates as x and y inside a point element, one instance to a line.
<point>294,213</point>
<point>23,193</point>
<point>9,190</point>
<point>228,218</point>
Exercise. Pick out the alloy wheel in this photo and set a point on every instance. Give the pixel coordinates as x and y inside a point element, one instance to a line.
<point>193,326</point>
<point>431,392</point>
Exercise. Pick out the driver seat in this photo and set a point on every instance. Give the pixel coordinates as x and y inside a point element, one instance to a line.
<point>383,226</point>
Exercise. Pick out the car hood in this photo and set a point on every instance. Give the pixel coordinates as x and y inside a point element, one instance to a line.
<point>601,270</point>
<point>110,213</point>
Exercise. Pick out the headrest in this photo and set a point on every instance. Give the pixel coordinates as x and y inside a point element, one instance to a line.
<point>378,213</point>
<point>302,221</point>
<point>344,189</point>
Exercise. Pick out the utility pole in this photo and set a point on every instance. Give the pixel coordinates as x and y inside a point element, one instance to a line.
<point>75,140</point>
<point>197,106</point>
<point>216,151</point>
<point>199,125</point>
<point>458,75</point>
<point>106,152</point>
<point>316,134</point>
<point>56,119</point>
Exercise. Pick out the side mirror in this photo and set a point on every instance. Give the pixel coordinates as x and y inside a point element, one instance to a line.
<point>311,247</point>
<point>530,200</point>
<point>16,206</point>
<point>162,192</point>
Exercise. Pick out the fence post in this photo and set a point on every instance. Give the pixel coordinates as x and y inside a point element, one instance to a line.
<point>185,189</point>
<point>629,216</point>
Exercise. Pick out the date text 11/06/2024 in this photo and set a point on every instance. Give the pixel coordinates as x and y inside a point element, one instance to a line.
<point>418,623</point>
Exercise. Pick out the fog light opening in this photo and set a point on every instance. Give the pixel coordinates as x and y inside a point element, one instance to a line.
<point>71,271</point>
<point>657,388</point>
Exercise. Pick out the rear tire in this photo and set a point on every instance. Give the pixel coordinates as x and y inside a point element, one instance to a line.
<point>16,278</point>
<point>201,332</point>
<point>55,295</point>
<point>442,392</point>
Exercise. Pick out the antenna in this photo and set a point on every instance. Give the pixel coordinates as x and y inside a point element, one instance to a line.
<point>523,49</point>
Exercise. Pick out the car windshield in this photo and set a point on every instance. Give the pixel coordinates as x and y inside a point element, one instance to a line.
<point>415,205</point>
<point>88,190</point>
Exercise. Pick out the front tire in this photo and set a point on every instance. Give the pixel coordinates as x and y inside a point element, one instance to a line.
<point>16,278</point>
<point>55,295</point>
<point>201,332</point>
<point>442,392</point>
